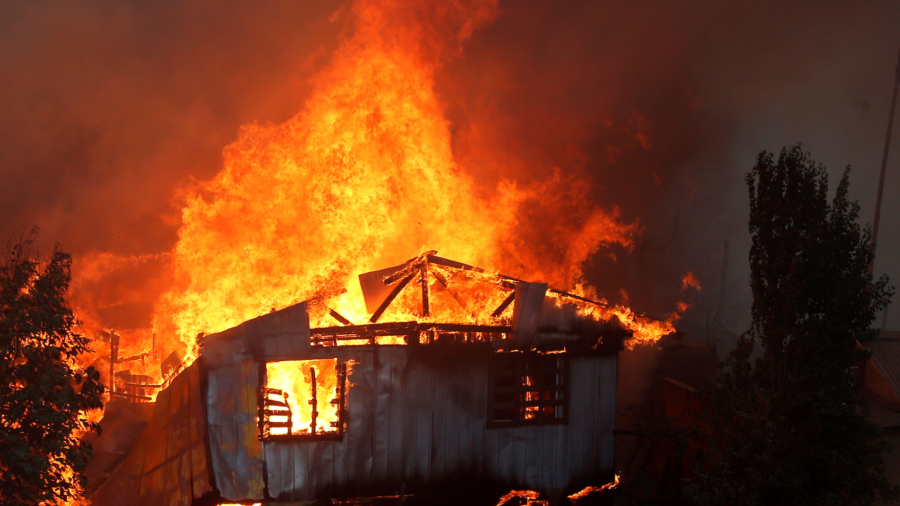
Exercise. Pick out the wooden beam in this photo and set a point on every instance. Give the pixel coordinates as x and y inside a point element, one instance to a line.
<point>390,298</point>
<point>423,280</point>
<point>337,316</point>
<point>378,329</point>
<point>505,304</point>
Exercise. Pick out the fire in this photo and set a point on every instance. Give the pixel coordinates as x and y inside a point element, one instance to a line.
<point>363,177</point>
<point>528,495</point>
<point>590,490</point>
<point>295,378</point>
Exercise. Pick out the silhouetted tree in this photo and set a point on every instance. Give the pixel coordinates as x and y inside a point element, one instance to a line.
<point>790,425</point>
<point>44,397</point>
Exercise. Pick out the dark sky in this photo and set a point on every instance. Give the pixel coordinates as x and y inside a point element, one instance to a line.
<point>107,109</point>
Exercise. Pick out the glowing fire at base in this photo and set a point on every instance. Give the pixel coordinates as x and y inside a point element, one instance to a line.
<point>591,490</point>
<point>521,494</point>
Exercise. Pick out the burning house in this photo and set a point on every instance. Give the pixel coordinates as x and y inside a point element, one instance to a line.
<point>519,392</point>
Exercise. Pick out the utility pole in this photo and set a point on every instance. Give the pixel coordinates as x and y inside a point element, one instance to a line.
<point>884,159</point>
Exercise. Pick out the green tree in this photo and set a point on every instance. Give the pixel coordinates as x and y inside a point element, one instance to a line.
<point>789,423</point>
<point>44,397</point>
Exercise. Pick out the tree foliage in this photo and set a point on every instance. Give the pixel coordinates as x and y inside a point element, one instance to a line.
<point>44,398</point>
<point>790,424</point>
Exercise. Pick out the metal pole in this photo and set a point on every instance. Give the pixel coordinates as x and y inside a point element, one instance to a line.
<point>884,159</point>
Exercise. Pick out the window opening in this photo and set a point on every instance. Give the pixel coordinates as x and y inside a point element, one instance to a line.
<point>303,399</point>
<point>528,389</point>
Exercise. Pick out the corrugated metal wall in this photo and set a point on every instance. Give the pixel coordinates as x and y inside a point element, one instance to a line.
<point>416,415</point>
<point>168,463</point>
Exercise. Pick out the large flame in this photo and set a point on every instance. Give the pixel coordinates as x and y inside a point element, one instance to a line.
<point>362,178</point>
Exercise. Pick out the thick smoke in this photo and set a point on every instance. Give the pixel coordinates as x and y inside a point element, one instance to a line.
<point>109,110</point>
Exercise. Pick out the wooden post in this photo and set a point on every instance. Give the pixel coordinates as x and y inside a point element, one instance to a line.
<point>113,358</point>
<point>423,279</point>
<point>315,413</point>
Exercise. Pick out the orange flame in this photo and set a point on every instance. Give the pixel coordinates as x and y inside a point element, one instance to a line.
<point>362,178</point>
<point>522,494</point>
<point>295,378</point>
<point>591,490</point>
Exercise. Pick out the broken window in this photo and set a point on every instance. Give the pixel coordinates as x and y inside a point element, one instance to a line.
<point>528,389</point>
<point>303,399</point>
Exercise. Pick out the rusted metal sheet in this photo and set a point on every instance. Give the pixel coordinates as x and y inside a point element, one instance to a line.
<point>283,333</point>
<point>527,312</point>
<point>373,288</point>
<point>416,415</point>
<point>225,348</point>
<point>167,464</point>
<point>361,429</point>
<point>278,335</point>
<point>237,456</point>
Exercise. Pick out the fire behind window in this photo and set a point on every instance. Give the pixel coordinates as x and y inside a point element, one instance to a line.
<point>303,398</point>
<point>528,389</point>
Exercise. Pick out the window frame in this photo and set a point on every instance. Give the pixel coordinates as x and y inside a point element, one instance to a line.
<point>263,402</point>
<point>522,369</point>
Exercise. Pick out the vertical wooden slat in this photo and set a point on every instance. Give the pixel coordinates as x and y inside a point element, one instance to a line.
<point>439,437</point>
<point>561,469</point>
<point>591,416</point>
<point>326,469</point>
<point>548,462</point>
<point>396,357</point>
<point>368,418</point>
<point>236,451</point>
<point>606,450</point>
<point>410,380</point>
<point>250,455</point>
<point>520,455</point>
<point>467,382</point>
<point>504,454</point>
<point>382,411</point>
<point>313,451</point>
<point>576,419</point>
<point>480,450</point>
<point>533,457</point>
<point>456,382</point>
<point>301,472</point>
<point>272,455</point>
<point>197,434</point>
<point>179,440</point>
<point>184,483</point>
<point>424,406</point>
<point>360,414</point>
<point>222,443</point>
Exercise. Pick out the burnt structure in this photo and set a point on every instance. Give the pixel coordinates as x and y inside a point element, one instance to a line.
<point>421,409</point>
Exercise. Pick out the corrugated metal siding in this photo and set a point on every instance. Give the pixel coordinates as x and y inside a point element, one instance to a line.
<point>283,333</point>
<point>236,452</point>
<point>168,463</point>
<point>417,415</point>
